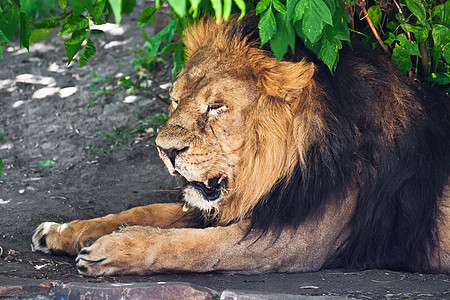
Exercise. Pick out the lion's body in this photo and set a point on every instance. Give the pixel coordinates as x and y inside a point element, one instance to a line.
<point>291,168</point>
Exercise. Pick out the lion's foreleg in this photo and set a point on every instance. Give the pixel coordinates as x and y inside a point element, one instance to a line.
<point>69,238</point>
<point>147,250</point>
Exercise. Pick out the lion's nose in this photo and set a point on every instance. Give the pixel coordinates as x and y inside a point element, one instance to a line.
<point>171,153</point>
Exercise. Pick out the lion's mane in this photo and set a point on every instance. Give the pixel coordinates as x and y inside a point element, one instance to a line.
<point>315,137</point>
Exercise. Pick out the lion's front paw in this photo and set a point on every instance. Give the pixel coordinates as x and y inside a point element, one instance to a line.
<point>122,252</point>
<point>47,238</point>
<point>62,239</point>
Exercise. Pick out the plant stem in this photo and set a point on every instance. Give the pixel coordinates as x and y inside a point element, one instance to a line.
<point>362,5</point>
<point>424,54</point>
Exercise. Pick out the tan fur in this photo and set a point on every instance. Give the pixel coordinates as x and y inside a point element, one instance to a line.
<point>71,237</point>
<point>146,250</point>
<point>270,119</point>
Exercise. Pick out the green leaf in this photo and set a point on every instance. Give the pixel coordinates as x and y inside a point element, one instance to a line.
<point>331,5</point>
<point>99,8</point>
<point>437,11</point>
<point>73,23</point>
<point>1,165</point>
<point>46,162</point>
<point>290,6</point>
<point>300,9</point>
<point>49,23</point>
<point>436,53</point>
<point>178,60</point>
<point>24,31</point>
<point>321,11</point>
<point>402,59</point>
<point>279,7</point>
<point>3,38</point>
<point>279,42</point>
<point>328,54</point>
<point>441,34</point>
<point>446,52</point>
<point>411,47</point>
<point>73,44</point>
<point>290,35</point>
<point>375,14</point>
<point>194,7</point>
<point>446,17</point>
<point>417,8</point>
<point>217,6</point>
<point>179,7</point>
<point>267,26</point>
<point>420,32</point>
<point>108,11</point>
<point>392,25</point>
<point>242,7</point>
<point>128,6</point>
<point>439,78</point>
<point>316,14</point>
<point>77,7</point>
<point>116,6</point>
<point>88,51</point>
<point>227,9</point>
<point>388,38</point>
<point>147,16</point>
<point>9,22</point>
<point>38,35</point>
<point>331,44</point>
<point>1,138</point>
<point>262,6</point>
<point>63,4</point>
<point>89,4</point>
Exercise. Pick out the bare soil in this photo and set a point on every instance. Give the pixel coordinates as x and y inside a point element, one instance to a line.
<point>44,115</point>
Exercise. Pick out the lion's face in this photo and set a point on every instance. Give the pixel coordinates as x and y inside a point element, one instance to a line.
<point>202,139</point>
<point>232,133</point>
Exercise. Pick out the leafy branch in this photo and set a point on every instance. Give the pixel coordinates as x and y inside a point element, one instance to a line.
<point>362,6</point>
<point>416,32</point>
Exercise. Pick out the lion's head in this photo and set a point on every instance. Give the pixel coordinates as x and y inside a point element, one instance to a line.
<point>230,134</point>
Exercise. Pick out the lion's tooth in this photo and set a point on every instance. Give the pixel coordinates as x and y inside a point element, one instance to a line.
<point>220,179</point>
<point>206,184</point>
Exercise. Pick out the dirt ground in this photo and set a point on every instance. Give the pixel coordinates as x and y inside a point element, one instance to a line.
<point>44,116</point>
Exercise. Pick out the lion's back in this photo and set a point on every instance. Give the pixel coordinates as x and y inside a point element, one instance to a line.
<point>402,139</point>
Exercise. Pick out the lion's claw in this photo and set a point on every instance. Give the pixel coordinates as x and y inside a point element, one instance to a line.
<point>89,266</point>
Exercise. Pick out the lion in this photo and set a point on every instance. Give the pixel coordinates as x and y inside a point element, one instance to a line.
<point>285,168</point>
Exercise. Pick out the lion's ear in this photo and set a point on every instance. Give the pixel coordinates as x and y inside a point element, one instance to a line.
<point>286,79</point>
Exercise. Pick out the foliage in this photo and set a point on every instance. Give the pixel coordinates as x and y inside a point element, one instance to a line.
<point>415,32</point>
<point>420,38</point>
<point>155,47</point>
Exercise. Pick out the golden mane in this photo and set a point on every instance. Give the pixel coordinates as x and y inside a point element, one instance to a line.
<point>278,138</point>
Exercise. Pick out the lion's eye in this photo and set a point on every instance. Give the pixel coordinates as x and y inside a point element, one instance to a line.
<point>214,106</point>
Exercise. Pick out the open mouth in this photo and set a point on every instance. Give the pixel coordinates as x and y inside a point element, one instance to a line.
<point>210,189</point>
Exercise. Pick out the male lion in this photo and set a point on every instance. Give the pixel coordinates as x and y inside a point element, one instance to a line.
<point>286,168</point>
